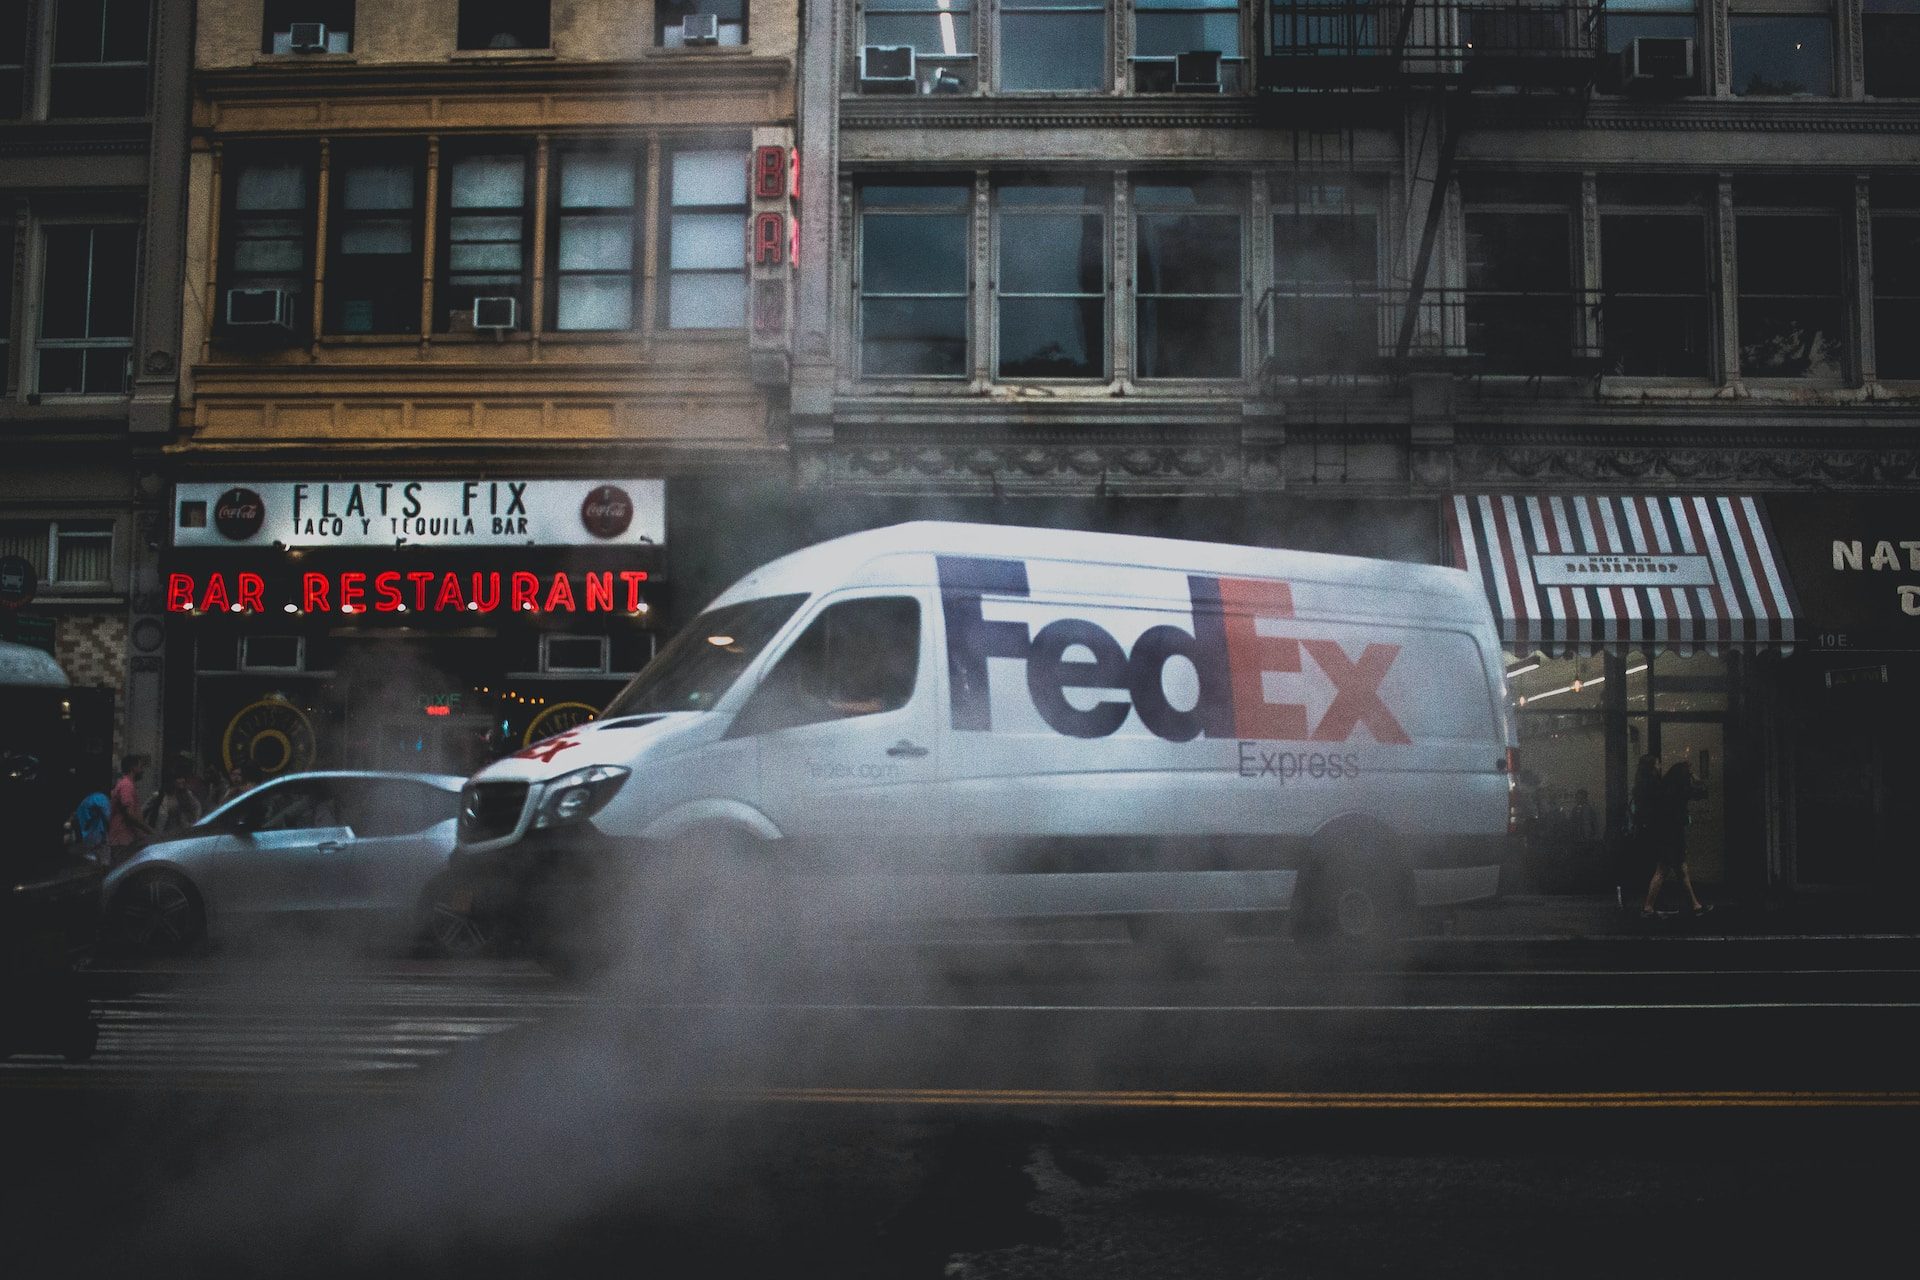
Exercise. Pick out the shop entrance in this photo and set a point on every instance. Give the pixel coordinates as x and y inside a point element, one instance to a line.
<point>418,743</point>
<point>1700,741</point>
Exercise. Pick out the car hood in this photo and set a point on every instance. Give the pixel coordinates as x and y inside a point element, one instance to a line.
<point>178,849</point>
<point>614,741</point>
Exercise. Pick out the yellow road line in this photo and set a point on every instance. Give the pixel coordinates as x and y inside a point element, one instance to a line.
<point>1331,1101</point>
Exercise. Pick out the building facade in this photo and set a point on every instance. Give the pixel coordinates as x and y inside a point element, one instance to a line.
<point>92,157</point>
<point>1538,289</point>
<point>471,332</point>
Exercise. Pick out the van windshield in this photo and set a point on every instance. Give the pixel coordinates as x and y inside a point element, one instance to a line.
<point>700,664</point>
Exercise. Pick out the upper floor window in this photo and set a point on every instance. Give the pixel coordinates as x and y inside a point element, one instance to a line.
<point>912,278</point>
<point>13,61</point>
<point>373,271</point>
<point>706,239</point>
<point>931,28</point>
<point>86,309</point>
<point>1896,289</point>
<point>1663,67</point>
<point>1053,44</point>
<point>1188,279</point>
<point>1323,315</point>
<point>99,59</point>
<point>269,225</point>
<point>1782,54</point>
<point>1654,303</point>
<point>505,24</point>
<point>1167,31</point>
<point>6,308</point>
<point>594,247</point>
<point>306,26</point>
<point>1892,47</point>
<point>486,216</point>
<point>1052,280</point>
<point>1790,261</point>
<point>682,23</point>
<point>1519,304</point>
<point>65,554</point>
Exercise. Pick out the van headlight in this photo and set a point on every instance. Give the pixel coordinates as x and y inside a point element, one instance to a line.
<point>577,796</point>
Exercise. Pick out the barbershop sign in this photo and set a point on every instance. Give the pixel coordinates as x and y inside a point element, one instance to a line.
<point>1855,562</point>
<point>392,513</point>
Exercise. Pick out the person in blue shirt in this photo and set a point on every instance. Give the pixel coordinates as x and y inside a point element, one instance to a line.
<point>90,825</point>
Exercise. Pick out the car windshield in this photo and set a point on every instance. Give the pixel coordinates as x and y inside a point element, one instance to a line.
<point>700,664</point>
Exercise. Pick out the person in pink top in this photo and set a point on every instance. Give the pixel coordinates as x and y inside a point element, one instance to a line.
<point>126,829</point>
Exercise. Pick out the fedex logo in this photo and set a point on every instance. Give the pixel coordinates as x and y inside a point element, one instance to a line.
<point>1229,654</point>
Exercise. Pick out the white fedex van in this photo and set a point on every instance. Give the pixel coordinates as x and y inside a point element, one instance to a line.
<point>1011,722</point>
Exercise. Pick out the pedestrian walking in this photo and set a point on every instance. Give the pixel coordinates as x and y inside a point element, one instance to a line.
<point>127,830</point>
<point>179,808</point>
<point>90,820</point>
<point>1671,796</point>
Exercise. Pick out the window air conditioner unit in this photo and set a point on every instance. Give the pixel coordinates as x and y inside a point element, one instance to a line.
<point>307,37</point>
<point>495,313</point>
<point>1657,62</point>
<point>887,69</point>
<point>1197,71</point>
<point>260,309</point>
<point>700,28</point>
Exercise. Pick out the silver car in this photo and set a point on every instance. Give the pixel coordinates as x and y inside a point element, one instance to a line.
<point>366,845</point>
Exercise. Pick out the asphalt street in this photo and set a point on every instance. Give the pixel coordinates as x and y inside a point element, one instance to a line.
<point>1092,1108</point>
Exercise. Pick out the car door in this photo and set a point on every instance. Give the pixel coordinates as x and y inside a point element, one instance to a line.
<point>403,831</point>
<point>288,842</point>
<point>848,740</point>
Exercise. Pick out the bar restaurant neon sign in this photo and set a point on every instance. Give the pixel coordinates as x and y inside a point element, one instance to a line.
<point>418,591</point>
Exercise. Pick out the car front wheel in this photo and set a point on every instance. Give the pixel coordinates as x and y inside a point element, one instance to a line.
<point>159,912</point>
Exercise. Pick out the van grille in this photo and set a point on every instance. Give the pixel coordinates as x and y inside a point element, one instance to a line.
<point>489,810</point>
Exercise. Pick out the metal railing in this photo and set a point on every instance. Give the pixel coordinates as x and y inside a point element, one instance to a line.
<point>1495,42</point>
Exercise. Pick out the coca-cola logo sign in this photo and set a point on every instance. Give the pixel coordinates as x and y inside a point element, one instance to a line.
<point>239,513</point>
<point>607,512</point>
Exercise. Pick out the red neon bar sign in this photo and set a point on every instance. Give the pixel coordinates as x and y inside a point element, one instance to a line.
<point>420,591</point>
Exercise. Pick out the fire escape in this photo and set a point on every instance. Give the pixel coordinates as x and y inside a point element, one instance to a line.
<point>1353,295</point>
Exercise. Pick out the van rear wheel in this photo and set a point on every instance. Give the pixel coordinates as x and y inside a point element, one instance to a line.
<point>1355,905</point>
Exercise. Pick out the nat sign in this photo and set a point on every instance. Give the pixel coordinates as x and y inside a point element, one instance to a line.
<point>1228,652</point>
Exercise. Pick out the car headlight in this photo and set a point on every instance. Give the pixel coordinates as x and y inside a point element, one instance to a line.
<point>577,796</point>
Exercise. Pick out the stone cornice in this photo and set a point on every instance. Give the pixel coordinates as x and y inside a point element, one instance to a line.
<point>283,81</point>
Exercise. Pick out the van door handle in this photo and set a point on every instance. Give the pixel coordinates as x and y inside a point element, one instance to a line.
<point>330,846</point>
<point>907,749</point>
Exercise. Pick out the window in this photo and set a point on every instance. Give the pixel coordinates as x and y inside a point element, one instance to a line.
<point>279,17</point>
<point>707,239</point>
<point>1519,302</point>
<point>269,228</point>
<point>913,280</point>
<point>700,664</point>
<point>1653,286</point>
<point>1781,54</point>
<point>1326,254</point>
<point>729,28</point>
<point>301,804</point>
<point>1891,44</point>
<point>1326,27</point>
<point>373,272</point>
<point>86,309</point>
<point>1793,320</point>
<point>13,61</point>
<point>858,658</point>
<point>1052,293</point>
<point>1896,294</point>
<point>1188,283</point>
<point>382,808</point>
<point>63,553</point>
<point>933,28</point>
<point>1053,44</point>
<point>6,308</point>
<point>483,236</point>
<point>1165,29</point>
<point>99,58</point>
<point>1630,20</point>
<point>504,24</point>
<point>593,249</point>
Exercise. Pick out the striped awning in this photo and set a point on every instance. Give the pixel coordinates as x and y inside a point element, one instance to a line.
<point>1572,574</point>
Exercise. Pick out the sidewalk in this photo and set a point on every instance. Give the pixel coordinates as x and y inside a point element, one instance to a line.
<point>1546,918</point>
